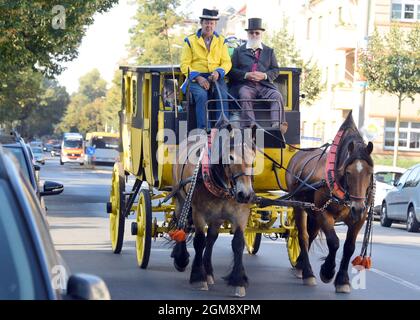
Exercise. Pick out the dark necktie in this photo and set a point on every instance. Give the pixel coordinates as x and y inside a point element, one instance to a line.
<point>256,54</point>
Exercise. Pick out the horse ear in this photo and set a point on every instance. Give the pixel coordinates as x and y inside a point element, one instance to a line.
<point>350,147</point>
<point>369,147</point>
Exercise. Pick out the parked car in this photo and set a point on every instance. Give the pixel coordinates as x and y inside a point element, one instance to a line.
<point>48,147</point>
<point>31,268</point>
<point>385,177</point>
<point>22,152</point>
<point>402,203</point>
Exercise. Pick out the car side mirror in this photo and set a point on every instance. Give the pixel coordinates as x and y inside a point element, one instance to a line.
<point>87,287</point>
<point>37,167</point>
<point>52,188</point>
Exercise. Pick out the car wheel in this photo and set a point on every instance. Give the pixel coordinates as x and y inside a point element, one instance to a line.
<point>412,223</point>
<point>385,222</point>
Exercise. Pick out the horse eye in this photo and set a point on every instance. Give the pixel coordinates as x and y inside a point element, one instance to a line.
<point>231,157</point>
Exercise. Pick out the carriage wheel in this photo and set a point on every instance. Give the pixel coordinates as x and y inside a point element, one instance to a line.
<point>142,228</point>
<point>293,248</point>
<point>252,239</point>
<point>117,205</point>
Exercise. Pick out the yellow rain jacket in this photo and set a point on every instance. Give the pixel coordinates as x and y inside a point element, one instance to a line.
<point>195,58</point>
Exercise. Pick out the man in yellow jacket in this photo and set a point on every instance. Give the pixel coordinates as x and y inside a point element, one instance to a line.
<point>205,59</point>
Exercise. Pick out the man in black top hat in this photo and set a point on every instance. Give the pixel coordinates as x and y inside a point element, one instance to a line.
<point>254,69</point>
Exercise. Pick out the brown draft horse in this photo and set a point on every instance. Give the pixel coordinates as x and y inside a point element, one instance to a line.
<point>211,210</point>
<point>350,186</point>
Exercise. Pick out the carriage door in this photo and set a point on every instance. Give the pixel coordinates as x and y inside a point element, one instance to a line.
<point>125,122</point>
<point>137,125</point>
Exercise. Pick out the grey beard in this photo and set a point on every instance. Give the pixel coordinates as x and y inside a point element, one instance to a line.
<point>254,44</point>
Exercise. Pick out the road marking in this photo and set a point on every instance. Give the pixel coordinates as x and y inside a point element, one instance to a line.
<point>396,279</point>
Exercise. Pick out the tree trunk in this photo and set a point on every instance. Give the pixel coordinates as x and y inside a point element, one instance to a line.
<point>397,132</point>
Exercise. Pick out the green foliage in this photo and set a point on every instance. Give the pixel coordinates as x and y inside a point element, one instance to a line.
<point>391,63</point>
<point>284,46</point>
<point>149,38</point>
<point>28,38</point>
<point>92,107</point>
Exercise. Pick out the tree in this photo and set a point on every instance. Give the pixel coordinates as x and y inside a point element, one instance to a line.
<point>287,55</point>
<point>391,64</point>
<point>87,110</point>
<point>149,38</point>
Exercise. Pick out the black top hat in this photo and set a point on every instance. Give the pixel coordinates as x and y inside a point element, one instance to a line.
<point>255,24</point>
<point>210,14</point>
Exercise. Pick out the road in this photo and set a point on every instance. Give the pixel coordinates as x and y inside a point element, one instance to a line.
<point>79,226</point>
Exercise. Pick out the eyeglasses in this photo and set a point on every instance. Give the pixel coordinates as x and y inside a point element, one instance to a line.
<point>257,33</point>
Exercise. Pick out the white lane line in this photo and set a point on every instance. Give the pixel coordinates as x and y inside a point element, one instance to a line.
<point>396,279</point>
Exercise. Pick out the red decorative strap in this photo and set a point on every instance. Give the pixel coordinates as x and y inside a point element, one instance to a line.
<point>209,183</point>
<point>332,182</point>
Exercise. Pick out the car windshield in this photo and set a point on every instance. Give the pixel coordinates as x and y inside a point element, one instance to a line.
<point>105,143</point>
<point>388,177</point>
<point>36,150</point>
<point>19,275</point>
<point>73,144</point>
<point>18,153</point>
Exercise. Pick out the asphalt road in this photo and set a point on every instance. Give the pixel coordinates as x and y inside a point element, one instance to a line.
<point>80,229</point>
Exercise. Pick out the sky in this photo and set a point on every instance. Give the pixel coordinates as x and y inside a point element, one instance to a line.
<point>104,44</point>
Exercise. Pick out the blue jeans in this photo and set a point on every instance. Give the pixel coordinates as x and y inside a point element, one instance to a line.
<point>201,96</point>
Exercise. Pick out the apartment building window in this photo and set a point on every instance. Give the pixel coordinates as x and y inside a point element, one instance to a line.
<point>409,137</point>
<point>405,10</point>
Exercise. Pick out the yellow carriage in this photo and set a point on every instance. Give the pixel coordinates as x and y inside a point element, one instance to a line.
<point>144,115</point>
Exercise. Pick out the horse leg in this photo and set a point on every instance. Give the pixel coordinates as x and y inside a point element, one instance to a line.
<point>342,281</point>
<point>212,234</point>
<point>303,261</point>
<point>237,277</point>
<point>313,230</point>
<point>327,270</point>
<point>180,252</point>
<point>198,274</point>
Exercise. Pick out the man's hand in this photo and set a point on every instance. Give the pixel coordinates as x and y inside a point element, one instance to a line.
<point>255,76</point>
<point>214,76</point>
<point>203,82</point>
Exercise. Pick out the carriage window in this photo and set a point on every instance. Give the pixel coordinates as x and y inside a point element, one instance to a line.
<point>283,83</point>
<point>127,102</point>
<point>134,96</point>
<point>170,93</point>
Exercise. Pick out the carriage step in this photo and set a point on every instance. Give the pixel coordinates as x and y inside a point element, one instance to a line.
<point>134,228</point>
<point>109,207</point>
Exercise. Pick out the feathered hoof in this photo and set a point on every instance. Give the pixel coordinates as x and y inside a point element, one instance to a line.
<point>239,292</point>
<point>180,268</point>
<point>324,278</point>
<point>342,288</point>
<point>200,286</point>
<point>311,281</point>
<point>298,273</point>
<point>210,280</point>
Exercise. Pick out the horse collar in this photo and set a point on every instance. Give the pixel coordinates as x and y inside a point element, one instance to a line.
<point>330,169</point>
<point>209,182</point>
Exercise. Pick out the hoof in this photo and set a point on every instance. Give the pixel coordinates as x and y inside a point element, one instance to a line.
<point>298,273</point>
<point>325,279</point>
<point>342,288</point>
<point>210,280</point>
<point>311,281</point>
<point>239,292</point>
<point>200,286</point>
<point>179,268</point>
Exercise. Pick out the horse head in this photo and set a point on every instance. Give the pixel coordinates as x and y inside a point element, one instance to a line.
<point>236,155</point>
<point>355,170</point>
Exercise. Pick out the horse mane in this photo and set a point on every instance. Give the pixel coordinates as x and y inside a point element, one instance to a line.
<point>352,134</point>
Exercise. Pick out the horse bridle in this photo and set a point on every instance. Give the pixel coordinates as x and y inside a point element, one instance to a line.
<point>349,197</point>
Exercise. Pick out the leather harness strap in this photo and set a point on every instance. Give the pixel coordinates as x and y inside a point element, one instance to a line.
<point>330,170</point>
<point>209,181</point>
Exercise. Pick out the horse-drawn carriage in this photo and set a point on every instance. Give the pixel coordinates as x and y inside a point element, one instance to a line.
<point>153,103</point>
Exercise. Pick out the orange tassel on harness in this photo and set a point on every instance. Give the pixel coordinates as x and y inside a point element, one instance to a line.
<point>178,235</point>
<point>365,262</point>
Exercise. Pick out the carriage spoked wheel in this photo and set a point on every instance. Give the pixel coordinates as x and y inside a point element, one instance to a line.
<point>142,228</point>
<point>116,208</point>
<point>293,248</point>
<point>252,239</point>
